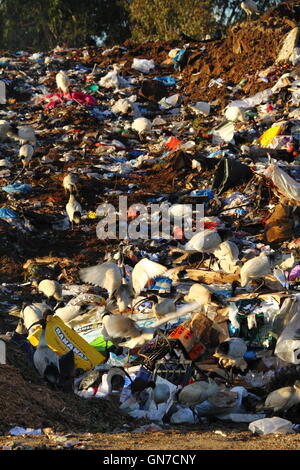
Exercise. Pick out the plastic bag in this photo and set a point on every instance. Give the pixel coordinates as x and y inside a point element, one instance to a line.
<point>287,185</point>
<point>167,80</point>
<point>271,425</point>
<point>6,213</point>
<point>259,98</point>
<point>183,415</point>
<point>201,107</point>
<point>143,65</point>
<point>224,133</point>
<point>288,343</point>
<point>16,188</point>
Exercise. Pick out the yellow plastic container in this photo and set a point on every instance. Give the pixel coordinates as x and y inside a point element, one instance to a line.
<point>62,339</point>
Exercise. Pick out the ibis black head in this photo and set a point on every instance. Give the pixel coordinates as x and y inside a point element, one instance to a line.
<point>234,286</point>
<point>51,374</point>
<point>139,384</point>
<point>225,234</point>
<point>223,348</point>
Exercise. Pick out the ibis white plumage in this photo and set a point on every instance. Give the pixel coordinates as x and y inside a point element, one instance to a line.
<point>26,152</point>
<point>62,81</point>
<point>74,210</point>
<point>255,268</point>
<point>51,288</point>
<point>283,398</point>
<point>197,392</point>
<point>70,183</point>
<point>142,126</point>
<point>109,276</point>
<point>23,134</point>
<point>200,294</point>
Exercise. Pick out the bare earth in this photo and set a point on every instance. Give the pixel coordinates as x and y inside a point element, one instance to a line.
<point>174,440</point>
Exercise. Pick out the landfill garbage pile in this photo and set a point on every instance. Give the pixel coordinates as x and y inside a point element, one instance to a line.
<point>197,323</point>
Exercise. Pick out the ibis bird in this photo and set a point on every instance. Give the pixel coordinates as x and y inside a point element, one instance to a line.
<point>227,255</point>
<point>142,126</point>
<point>51,289</point>
<point>197,392</point>
<point>115,380</point>
<point>202,295</point>
<point>62,81</point>
<point>70,183</point>
<point>283,398</point>
<point>230,353</point>
<point>205,241</point>
<point>112,277</point>
<point>160,393</point>
<point>146,334</point>
<point>57,370</point>
<point>23,134</point>
<point>249,7</point>
<point>5,127</point>
<point>160,306</point>
<point>255,268</point>
<point>30,314</point>
<point>26,152</point>
<point>74,210</point>
<point>118,326</point>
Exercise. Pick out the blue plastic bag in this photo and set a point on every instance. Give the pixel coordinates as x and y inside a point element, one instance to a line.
<point>167,81</point>
<point>6,213</point>
<point>17,188</point>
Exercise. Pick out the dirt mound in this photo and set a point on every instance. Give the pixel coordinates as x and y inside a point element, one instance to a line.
<point>249,47</point>
<point>28,402</point>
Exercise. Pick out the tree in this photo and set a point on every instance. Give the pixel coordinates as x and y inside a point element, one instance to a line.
<point>42,24</point>
<point>151,20</point>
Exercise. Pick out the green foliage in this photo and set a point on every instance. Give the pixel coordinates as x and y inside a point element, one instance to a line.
<point>42,24</point>
<point>170,19</point>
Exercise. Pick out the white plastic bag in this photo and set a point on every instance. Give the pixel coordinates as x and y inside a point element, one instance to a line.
<point>271,425</point>
<point>201,107</point>
<point>288,343</point>
<point>143,65</point>
<point>286,185</point>
<point>259,98</point>
<point>224,133</point>
<point>170,102</point>
<point>183,415</point>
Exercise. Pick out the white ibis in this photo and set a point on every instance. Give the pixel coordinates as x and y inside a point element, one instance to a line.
<point>74,210</point>
<point>70,183</point>
<point>62,81</point>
